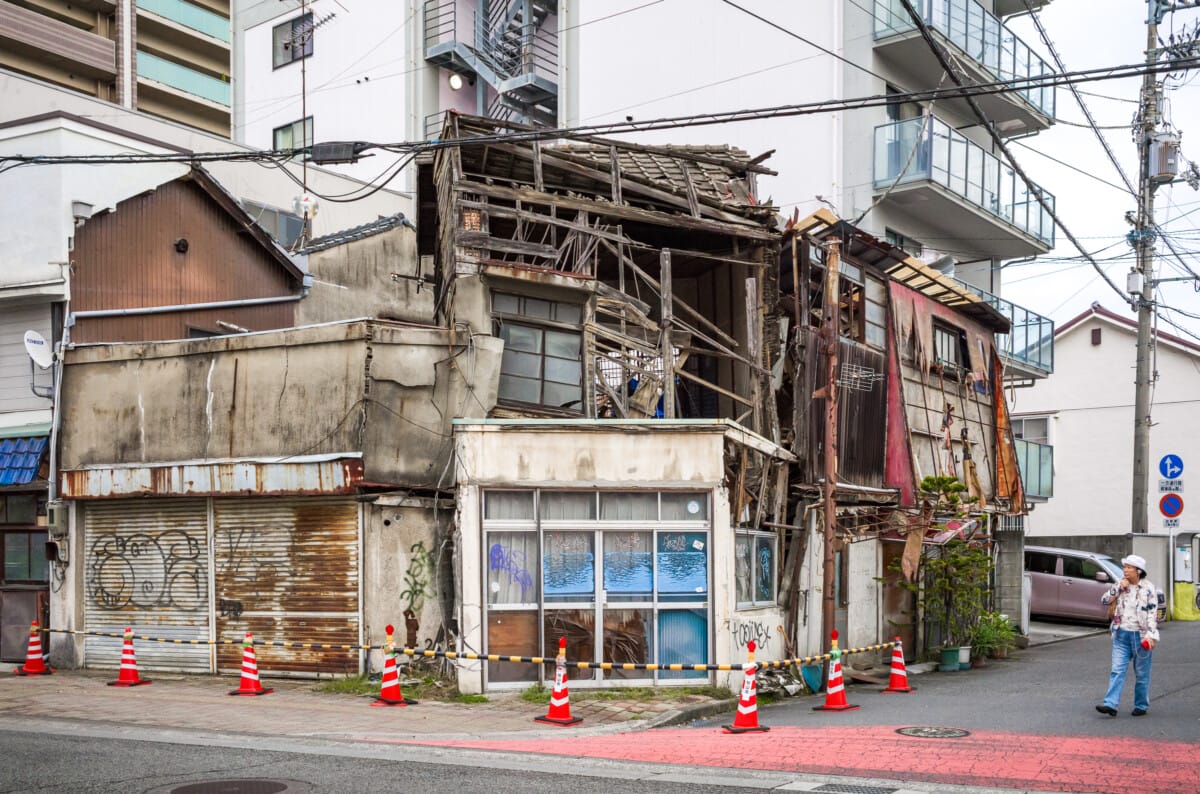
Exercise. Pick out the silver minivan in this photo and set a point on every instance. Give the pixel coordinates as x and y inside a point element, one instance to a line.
<point>1068,583</point>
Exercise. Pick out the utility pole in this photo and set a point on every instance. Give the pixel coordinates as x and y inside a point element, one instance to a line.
<point>1144,234</point>
<point>830,333</point>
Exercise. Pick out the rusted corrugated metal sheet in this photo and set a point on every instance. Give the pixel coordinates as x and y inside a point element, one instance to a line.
<point>146,568</point>
<point>171,246</point>
<point>335,476</point>
<point>287,570</point>
<point>862,416</point>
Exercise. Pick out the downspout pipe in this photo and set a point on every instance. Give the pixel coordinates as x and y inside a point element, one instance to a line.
<point>184,307</point>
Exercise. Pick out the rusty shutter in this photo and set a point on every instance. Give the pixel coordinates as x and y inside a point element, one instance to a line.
<point>146,567</point>
<point>287,569</point>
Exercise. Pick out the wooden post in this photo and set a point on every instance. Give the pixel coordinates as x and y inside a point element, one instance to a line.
<point>668,348</point>
<point>830,333</point>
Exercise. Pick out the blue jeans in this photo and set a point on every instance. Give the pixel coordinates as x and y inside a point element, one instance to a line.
<point>1127,647</point>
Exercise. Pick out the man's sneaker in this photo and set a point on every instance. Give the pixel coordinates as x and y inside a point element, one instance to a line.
<point>1138,712</point>
<point>1109,710</point>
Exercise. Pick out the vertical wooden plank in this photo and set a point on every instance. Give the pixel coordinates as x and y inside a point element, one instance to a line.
<point>538,184</point>
<point>615,168</point>
<point>668,348</point>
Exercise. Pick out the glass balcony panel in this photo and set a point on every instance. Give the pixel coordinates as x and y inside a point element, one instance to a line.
<point>182,78</point>
<point>1030,341</point>
<point>1036,462</point>
<point>979,34</point>
<point>188,15</point>
<point>945,156</point>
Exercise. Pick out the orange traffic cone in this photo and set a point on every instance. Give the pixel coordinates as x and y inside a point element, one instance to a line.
<point>835,690</point>
<point>129,672</point>
<point>389,690</point>
<point>250,684</point>
<point>35,664</point>
<point>747,710</point>
<point>560,698</point>
<point>898,683</point>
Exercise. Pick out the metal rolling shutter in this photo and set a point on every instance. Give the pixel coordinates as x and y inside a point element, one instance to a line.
<point>146,567</point>
<point>286,569</point>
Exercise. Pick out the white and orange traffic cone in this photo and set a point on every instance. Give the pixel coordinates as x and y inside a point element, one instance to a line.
<point>35,663</point>
<point>389,690</point>
<point>250,684</point>
<point>835,690</point>
<point>129,672</point>
<point>560,698</point>
<point>747,709</point>
<point>898,683</point>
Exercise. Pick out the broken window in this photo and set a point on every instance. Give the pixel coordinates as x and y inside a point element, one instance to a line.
<point>755,568</point>
<point>543,360</point>
<point>950,349</point>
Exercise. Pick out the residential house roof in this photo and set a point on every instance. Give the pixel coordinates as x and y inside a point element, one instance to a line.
<point>378,226</point>
<point>20,459</point>
<point>1099,312</point>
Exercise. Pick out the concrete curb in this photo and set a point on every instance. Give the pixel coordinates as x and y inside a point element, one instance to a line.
<point>696,711</point>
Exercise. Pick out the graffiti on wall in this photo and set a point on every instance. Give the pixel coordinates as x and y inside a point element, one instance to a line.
<point>417,577</point>
<point>512,561</point>
<point>245,564</point>
<point>746,631</point>
<point>164,570</point>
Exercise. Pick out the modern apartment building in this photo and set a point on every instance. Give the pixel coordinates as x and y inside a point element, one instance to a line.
<point>167,58</point>
<point>386,71</point>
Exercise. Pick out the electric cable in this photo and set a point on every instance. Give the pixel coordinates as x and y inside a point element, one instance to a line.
<point>1032,188</point>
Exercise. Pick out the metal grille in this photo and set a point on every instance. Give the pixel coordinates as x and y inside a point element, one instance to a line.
<point>146,566</point>
<point>850,788</point>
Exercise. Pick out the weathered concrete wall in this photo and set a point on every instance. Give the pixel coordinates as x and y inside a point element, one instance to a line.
<point>407,569</point>
<point>384,390</point>
<point>373,277</point>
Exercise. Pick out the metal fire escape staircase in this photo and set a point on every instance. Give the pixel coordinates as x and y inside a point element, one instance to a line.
<point>507,45</point>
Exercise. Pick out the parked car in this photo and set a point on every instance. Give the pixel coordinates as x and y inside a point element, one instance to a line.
<point>1068,583</point>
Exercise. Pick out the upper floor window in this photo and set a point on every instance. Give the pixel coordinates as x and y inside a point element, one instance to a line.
<point>950,349</point>
<point>296,135</point>
<point>1032,428</point>
<point>292,40</point>
<point>543,359</point>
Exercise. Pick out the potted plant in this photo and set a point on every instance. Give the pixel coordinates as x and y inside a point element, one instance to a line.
<point>993,635</point>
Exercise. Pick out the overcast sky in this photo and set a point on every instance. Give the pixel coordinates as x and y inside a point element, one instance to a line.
<point>678,57</point>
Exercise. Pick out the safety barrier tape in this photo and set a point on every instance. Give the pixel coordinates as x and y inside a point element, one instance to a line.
<point>488,657</point>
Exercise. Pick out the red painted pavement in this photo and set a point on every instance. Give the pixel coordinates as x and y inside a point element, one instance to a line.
<point>1116,765</point>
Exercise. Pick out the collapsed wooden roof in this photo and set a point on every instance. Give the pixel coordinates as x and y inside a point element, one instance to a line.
<point>711,183</point>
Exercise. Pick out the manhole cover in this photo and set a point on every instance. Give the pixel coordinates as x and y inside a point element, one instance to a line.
<point>234,787</point>
<point>932,732</point>
<point>846,788</point>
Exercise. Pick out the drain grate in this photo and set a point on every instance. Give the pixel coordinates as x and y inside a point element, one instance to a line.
<point>235,787</point>
<point>849,788</point>
<point>933,732</point>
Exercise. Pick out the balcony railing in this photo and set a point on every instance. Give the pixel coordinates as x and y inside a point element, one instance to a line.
<point>182,78</point>
<point>934,151</point>
<point>188,15</point>
<point>1036,462</point>
<point>979,34</point>
<point>1030,342</point>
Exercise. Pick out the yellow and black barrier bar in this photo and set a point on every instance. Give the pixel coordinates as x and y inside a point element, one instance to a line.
<point>488,657</point>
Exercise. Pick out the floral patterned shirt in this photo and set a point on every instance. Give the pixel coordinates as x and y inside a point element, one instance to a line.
<point>1137,608</point>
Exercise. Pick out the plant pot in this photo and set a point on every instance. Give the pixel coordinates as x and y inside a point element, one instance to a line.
<point>964,657</point>
<point>949,660</point>
<point>979,661</point>
<point>1000,653</point>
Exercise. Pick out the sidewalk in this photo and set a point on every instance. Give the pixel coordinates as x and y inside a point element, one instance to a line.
<point>296,710</point>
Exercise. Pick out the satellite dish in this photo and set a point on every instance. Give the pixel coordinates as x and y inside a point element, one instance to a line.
<point>38,349</point>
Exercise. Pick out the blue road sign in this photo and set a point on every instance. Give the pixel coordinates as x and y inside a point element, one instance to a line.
<point>1171,466</point>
